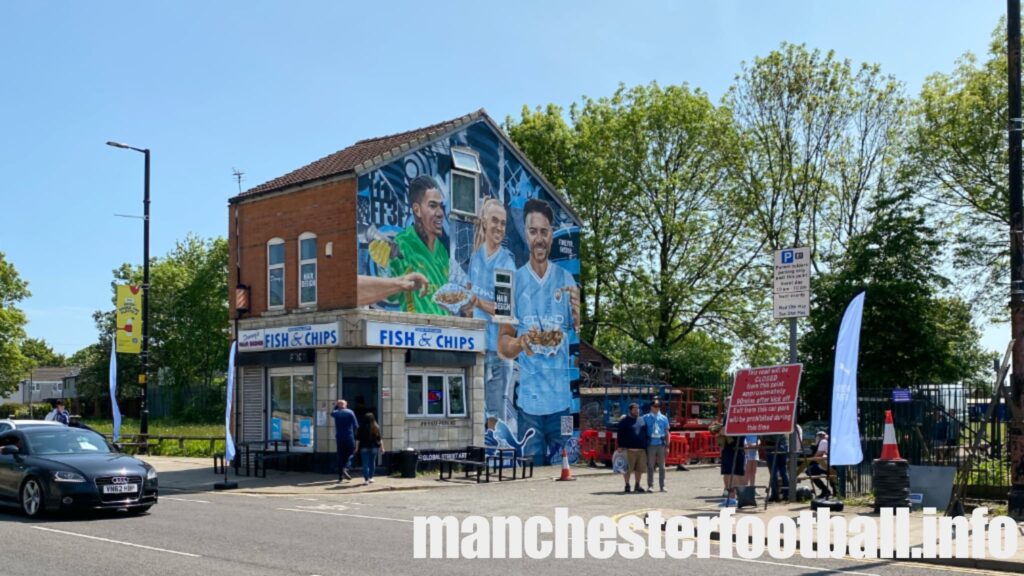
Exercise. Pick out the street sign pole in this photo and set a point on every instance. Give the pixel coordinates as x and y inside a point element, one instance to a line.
<point>791,299</point>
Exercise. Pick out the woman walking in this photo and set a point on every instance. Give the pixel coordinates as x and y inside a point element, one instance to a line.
<point>368,442</point>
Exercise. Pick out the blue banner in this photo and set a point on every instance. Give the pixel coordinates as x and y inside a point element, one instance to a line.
<point>113,390</point>
<point>844,445</point>
<point>229,442</point>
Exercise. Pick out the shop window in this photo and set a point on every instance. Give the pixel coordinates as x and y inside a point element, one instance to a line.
<point>275,273</point>
<point>465,181</point>
<point>307,269</point>
<point>437,395</point>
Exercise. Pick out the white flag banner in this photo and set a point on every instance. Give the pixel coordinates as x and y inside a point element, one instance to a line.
<point>113,389</point>
<point>844,445</point>
<point>229,442</point>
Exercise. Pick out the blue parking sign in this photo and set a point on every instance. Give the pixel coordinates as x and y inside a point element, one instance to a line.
<point>787,256</point>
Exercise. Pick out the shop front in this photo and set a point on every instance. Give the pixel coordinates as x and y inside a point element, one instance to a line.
<point>423,382</point>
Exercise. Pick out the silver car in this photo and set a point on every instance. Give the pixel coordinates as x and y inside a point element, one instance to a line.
<point>10,424</point>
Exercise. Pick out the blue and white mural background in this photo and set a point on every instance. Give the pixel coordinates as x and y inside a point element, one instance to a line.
<point>416,255</point>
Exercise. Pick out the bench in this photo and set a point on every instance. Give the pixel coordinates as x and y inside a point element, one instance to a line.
<point>523,462</point>
<point>480,466</point>
<point>267,456</point>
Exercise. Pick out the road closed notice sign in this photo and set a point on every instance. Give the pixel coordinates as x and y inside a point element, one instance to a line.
<point>764,401</point>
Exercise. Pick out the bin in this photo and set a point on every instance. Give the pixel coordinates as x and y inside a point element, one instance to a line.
<point>407,461</point>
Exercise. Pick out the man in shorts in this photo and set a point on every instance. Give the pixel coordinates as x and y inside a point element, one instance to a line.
<point>632,437</point>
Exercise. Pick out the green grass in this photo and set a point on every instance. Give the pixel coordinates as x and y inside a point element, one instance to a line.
<point>167,427</point>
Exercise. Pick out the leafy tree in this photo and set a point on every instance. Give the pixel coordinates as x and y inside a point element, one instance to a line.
<point>911,333</point>
<point>959,148</point>
<point>189,330</point>
<point>651,171</point>
<point>14,365</point>
<point>820,139</point>
<point>41,354</point>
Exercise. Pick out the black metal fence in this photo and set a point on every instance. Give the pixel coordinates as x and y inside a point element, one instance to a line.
<point>936,427</point>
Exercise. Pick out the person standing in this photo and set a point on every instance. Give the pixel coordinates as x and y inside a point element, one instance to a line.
<point>632,438</point>
<point>546,301</point>
<point>345,428</point>
<point>815,471</point>
<point>368,443</point>
<point>59,414</point>
<point>657,440</point>
<point>777,460</point>
<point>751,443</point>
<point>732,464</point>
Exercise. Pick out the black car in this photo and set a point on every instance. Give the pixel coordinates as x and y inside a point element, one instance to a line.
<point>51,468</point>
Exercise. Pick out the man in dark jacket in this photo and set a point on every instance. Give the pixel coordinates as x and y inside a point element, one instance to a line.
<point>632,437</point>
<point>345,427</point>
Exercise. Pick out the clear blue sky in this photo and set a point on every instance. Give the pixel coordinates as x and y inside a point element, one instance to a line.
<point>267,87</point>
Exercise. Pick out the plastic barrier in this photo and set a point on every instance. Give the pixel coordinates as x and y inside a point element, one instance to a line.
<point>589,448</point>
<point>678,450</point>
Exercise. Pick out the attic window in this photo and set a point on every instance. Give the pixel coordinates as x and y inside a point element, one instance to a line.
<point>463,159</point>
<point>465,181</point>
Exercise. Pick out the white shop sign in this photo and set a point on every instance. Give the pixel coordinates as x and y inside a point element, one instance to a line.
<point>283,338</point>
<point>394,335</point>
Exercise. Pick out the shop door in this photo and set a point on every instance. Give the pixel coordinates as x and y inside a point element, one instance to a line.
<point>360,385</point>
<point>292,407</point>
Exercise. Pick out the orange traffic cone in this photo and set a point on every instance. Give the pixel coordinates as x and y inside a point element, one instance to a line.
<point>566,472</point>
<point>890,451</point>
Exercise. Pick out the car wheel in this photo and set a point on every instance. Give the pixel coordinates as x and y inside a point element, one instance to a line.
<point>32,498</point>
<point>139,510</point>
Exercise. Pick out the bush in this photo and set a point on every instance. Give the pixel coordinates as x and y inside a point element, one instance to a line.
<point>21,411</point>
<point>8,410</point>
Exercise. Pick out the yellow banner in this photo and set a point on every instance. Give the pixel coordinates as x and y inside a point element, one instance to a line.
<point>129,319</point>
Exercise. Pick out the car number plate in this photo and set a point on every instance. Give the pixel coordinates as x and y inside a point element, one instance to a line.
<point>120,488</point>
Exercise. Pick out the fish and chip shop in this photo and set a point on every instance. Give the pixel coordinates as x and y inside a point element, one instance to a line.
<point>429,277</point>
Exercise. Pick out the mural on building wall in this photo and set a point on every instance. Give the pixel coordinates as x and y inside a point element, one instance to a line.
<point>511,257</point>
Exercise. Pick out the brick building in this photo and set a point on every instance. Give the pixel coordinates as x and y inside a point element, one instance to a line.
<point>393,274</point>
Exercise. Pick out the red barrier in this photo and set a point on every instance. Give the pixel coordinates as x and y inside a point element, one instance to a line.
<point>678,450</point>
<point>589,445</point>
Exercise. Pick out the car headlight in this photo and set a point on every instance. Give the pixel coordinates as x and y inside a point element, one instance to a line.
<point>151,474</point>
<point>64,476</point>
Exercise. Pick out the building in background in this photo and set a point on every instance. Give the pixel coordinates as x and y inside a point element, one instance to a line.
<point>429,277</point>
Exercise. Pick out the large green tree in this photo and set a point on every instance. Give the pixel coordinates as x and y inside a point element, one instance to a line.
<point>189,329</point>
<point>652,172</point>
<point>913,331</point>
<point>14,365</point>
<point>959,149</point>
<point>41,353</point>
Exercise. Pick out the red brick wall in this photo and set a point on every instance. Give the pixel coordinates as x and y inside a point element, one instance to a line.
<point>329,211</point>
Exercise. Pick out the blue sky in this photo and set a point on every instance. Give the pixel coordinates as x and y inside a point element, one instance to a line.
<point>267,87</point>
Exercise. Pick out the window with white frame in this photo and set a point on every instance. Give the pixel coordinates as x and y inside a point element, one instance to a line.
<point>275,273</point>
<point>465,181</point>
<point>436,394</point>
<point>307,269</point>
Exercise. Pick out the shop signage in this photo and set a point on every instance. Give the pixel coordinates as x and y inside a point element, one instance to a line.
<point>901,395</point>
<point>283,338</point>
<point>394,335</point>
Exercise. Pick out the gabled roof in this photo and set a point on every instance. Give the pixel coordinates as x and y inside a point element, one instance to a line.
<point>360,153</point>
<point>51,374</point>
<point>370,153</point>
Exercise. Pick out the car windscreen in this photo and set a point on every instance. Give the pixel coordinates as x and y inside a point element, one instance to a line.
<point>43,441</point>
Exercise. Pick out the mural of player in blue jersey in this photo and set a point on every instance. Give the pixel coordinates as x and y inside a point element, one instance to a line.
<point>488,257</point>
<point>546,303</point>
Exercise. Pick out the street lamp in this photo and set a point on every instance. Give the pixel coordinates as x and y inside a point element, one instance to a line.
<point>144,377</point>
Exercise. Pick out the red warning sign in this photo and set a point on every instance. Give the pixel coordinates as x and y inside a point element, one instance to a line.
<point>764,401</point>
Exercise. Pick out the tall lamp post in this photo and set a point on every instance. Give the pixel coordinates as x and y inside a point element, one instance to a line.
<point>1016,190</point>
<point>144,377</point>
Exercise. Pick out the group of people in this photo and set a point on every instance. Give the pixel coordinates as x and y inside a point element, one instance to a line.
<point>352,437</point>
<point>739,459</point>
<point>643,442</point>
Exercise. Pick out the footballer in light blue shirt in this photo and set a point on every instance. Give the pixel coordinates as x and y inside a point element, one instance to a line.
<point>546,304</point>
<point>489,257</point>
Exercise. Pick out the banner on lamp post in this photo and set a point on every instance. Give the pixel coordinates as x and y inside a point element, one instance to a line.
<point>129,319</point>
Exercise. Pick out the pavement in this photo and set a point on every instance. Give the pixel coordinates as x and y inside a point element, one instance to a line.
<point>697,495</point>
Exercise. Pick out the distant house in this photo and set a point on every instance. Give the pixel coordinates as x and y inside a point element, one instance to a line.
<point>46,385</point>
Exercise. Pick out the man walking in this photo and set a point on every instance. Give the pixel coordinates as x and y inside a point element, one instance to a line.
<point>632,438</point>
<point>657,435</point>
<point>345,427</point>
